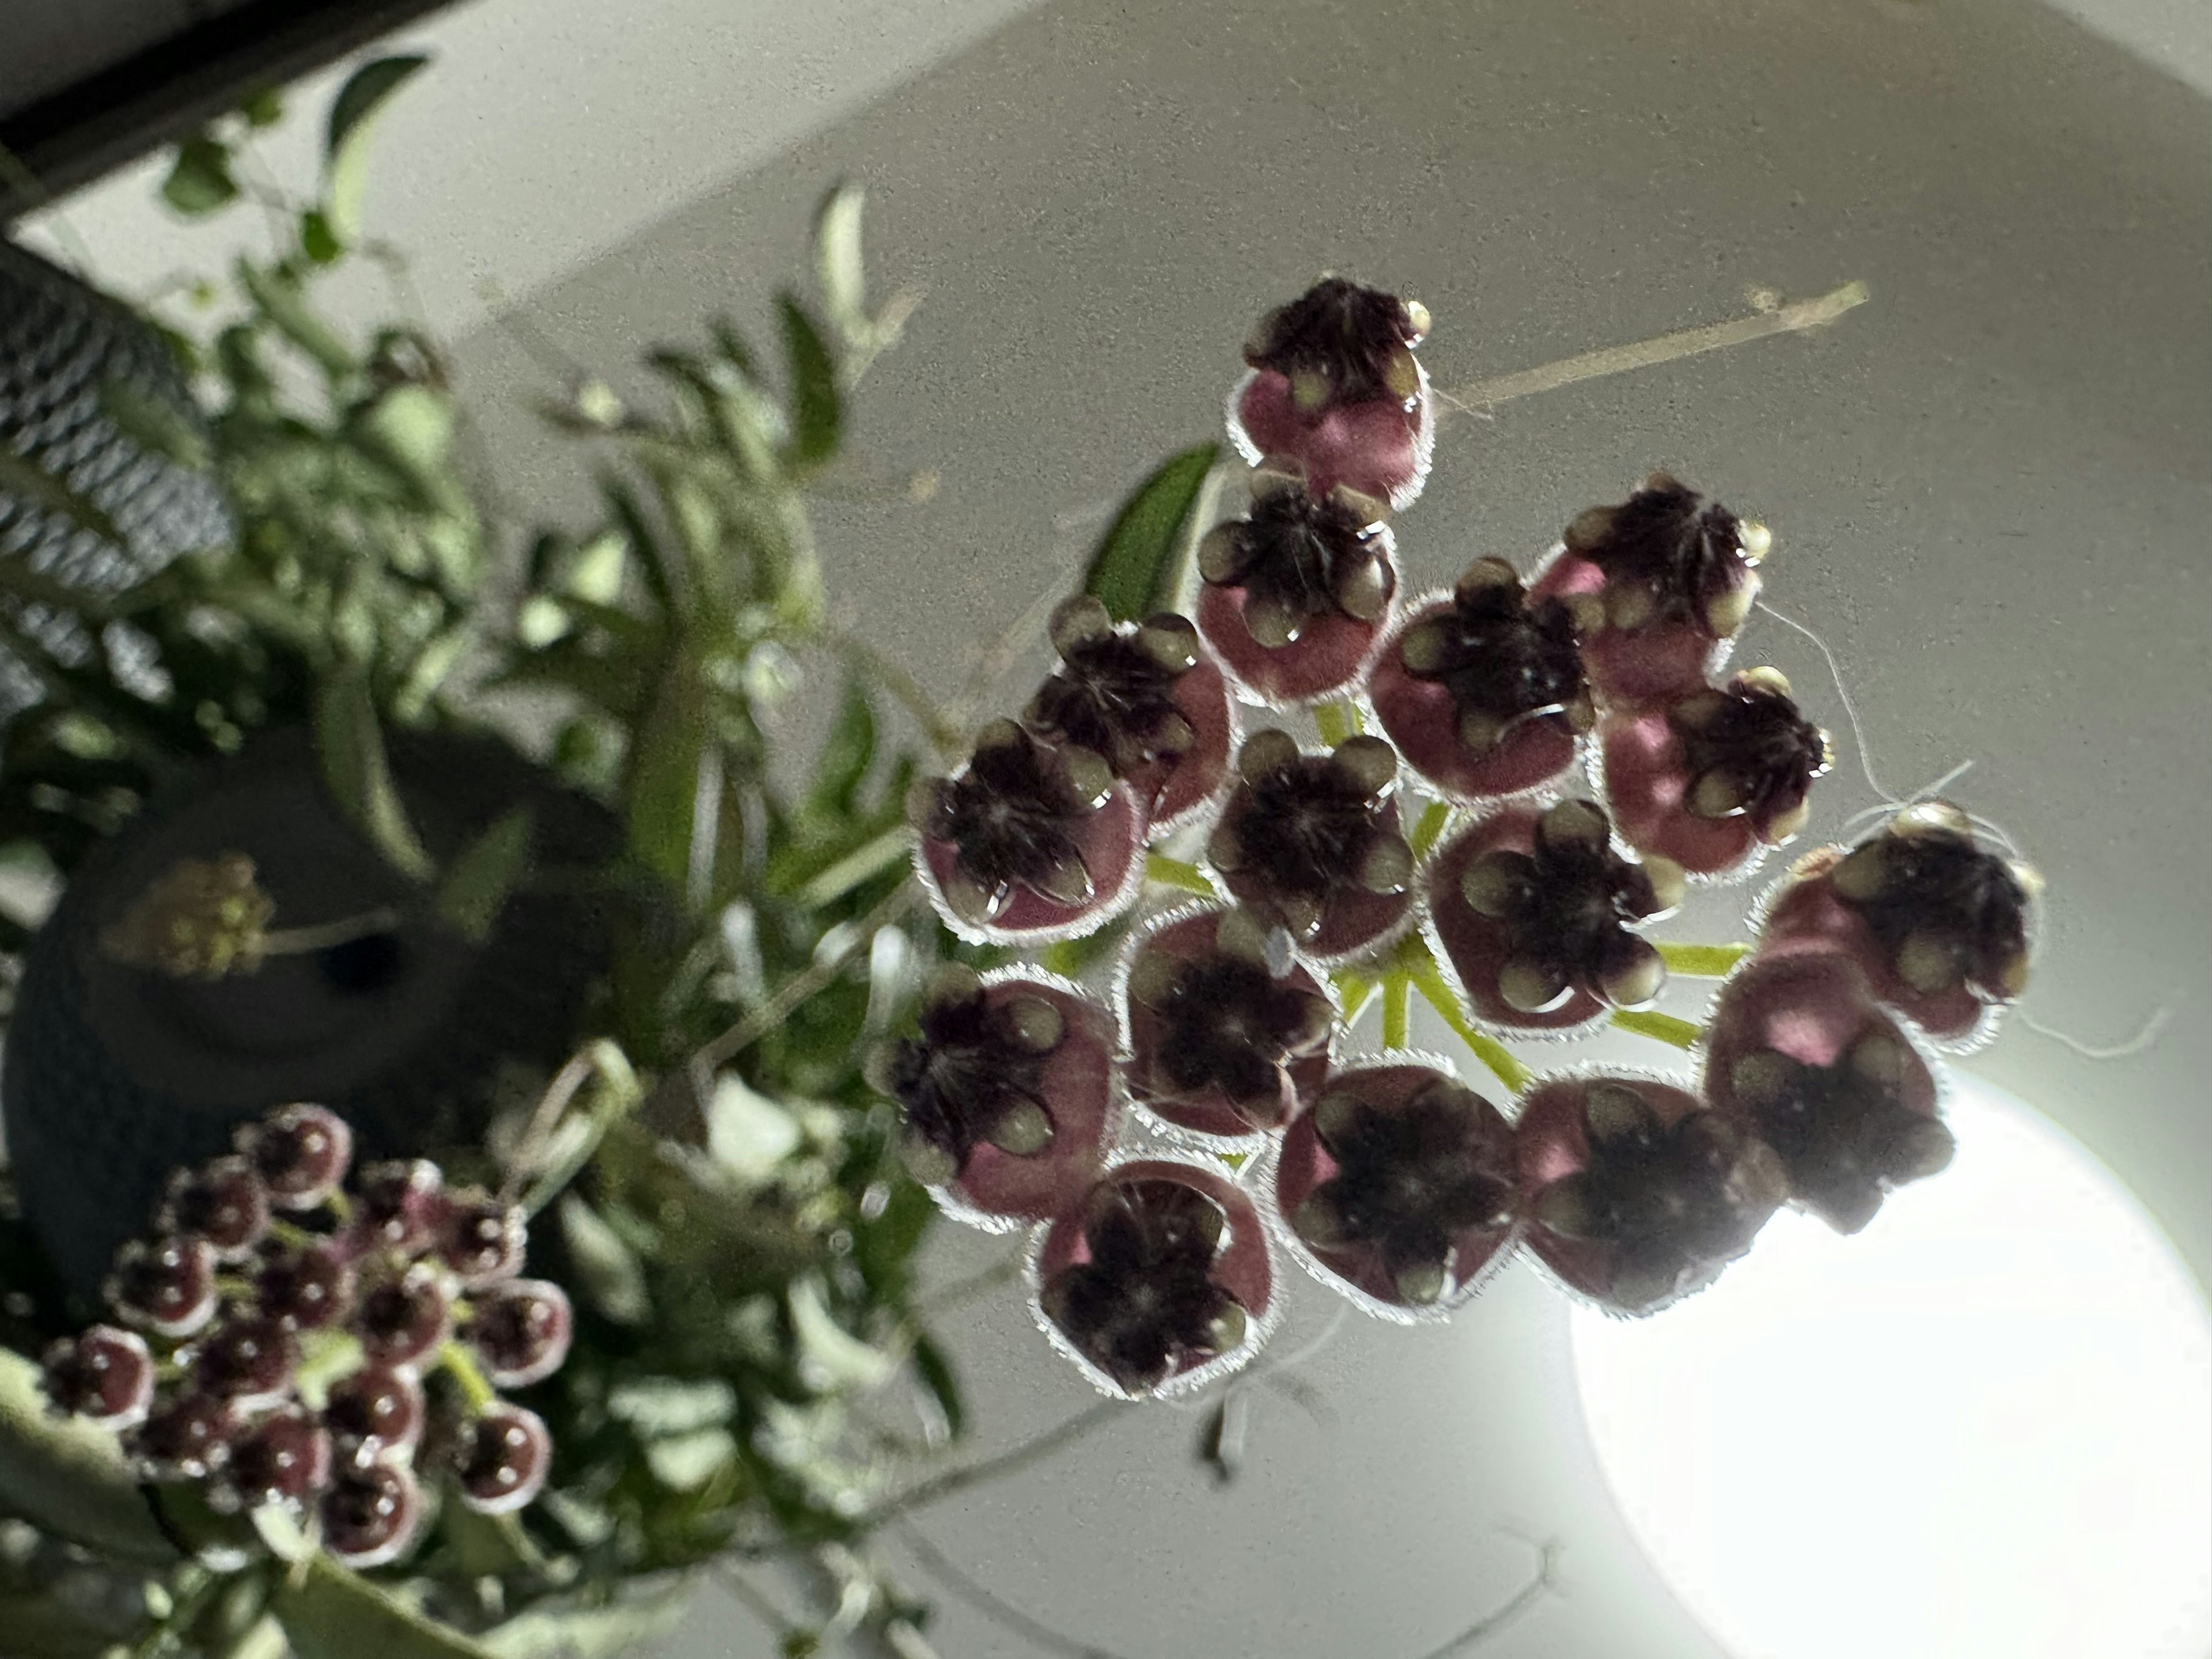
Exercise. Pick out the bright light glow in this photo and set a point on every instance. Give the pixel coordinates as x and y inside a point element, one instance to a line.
<point>1982,1427</point>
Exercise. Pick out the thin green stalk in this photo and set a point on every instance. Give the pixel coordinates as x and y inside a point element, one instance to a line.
<point>1702,961</point>
<point>461,1366</point>
<point>1431,828</point>
<point>1492,1053</point>
<point>1174,873</point>
<point>1337,721</point>
<point>1397,991</point>
<point>1662,1028</point>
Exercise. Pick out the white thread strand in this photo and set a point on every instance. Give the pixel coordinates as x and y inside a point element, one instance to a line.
<point>1843,694</point>
<point>2140,1043</point>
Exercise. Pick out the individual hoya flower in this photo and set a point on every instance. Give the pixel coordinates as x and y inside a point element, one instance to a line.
<point>372,1514</point>
<point>223,1202</point>
<point>285,1460</point>
<point>399,1207</point>
<point>502,1459</point>
<point>1940,923</point>
<point>376,1415</point>
<point>1147,698</point>
<point>306,1287</point>
<point>1334,384</point>
<point>483,1239</point>
<point>1712,779</point>
<point>403,1319</point>
<point>103,1374</point>
<point>187,1437</point>
<point>1800,1052</point>
<point>1660,585</point>
<point>1028,842</point>
<point>1396,1184</point>
<point>1007,1092</point>
<point>203,919</point>
<point>520,1331</point>
<point>1482,689</point>
<point>1294,595</point>
<point>167,1287</point>
<point>1636,1193</point>
<point>1219,1043</point>
<point>1310,843</point>
<point>301,1154</point>
<point>1534,914</point>
<point>248,1359</point>
<point>1159,1280</point>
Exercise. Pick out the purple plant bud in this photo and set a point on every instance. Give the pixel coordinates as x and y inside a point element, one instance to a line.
<point>301,1154</point>
<point>1006,1090</point>
<point>1396,1182</point>
<point>285,1459</point>
<point>1160,1280</point>
<point>483,1240</point>
<point>1146,697</point>
<point>1535,915</point>
<point>1482,689</point>
<point>402,1321</point>
<point>1219,1043</point>
<point>371,1514</point>
<point>520,1331</point>
<point>167,1287</point>
<point>102,1374</point>
<point>1334,385</point>
<point>222,1202</point>
<point>503,1459</point>
<point>377,1414</point>
<point>1636,1194</point>
<point>1713,779</point>
<point>184,1438</point>
<point>249,1362</point>
<point>399,1207</point>
<point>304,1289</point>
<point>1311,843</point>
<point>1296,595</point>
<point>1665,579</point>
<point>1028,842</point>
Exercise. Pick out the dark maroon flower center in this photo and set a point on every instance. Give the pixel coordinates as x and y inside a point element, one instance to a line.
<point>1410,1179</point>
<point>1307,826</point>
<point>1229,1024</point>
<point>1146,1299</point>
<point>1114,696</point>
<point>1670,1198</point>
<point>1356,341</point>
<point>1679,545</point>
<point>1497,654</point>
<point>969,1071</point>
<point>1947,911</point>
<point>1843,1130</point>
<point>1747,749</point>
<point>1013,818</point>
<point>1298,560</point>
<point>1567,907</point>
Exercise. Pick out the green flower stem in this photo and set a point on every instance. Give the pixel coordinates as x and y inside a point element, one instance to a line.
<point>1174,873</point>
<point>1492,1053</point>
<point>461,1366</point>
<point>1397,989</point>
<point>1702,961</point>
<point>292,1233</point>
<point>1337,721</point>
<point>1355,991</point>
<point>871,859</point>
<point>1662,1028</point>
<point>1431,828</point>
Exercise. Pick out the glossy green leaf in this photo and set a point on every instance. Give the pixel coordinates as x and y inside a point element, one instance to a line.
<point>67,1477</point>
<point>558,1629</point>
<point>318,240</point>
<point>27,480</point>
<point>818,414</point>
<point>932,1365</point>
<point>349,744</point>
<point>483,875</point>
<point>1135,571</point>
<point>329,1613</point>
<point>846,753</point>
<point>346,147</point>
<point>837,262</point>
<point>663,792</point>
<point>199,179</point>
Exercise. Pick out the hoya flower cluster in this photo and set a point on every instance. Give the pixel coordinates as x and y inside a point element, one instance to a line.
<point>1524,775</point>
<point>281,1341</point>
